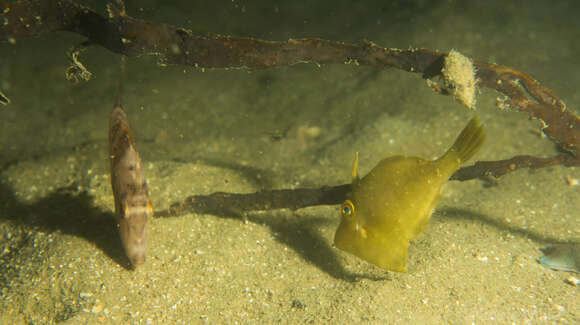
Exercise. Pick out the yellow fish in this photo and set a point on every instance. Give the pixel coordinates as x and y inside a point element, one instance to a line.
<point>392,204</point>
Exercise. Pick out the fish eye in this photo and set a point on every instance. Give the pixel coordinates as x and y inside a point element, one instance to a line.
<point>347,208</point>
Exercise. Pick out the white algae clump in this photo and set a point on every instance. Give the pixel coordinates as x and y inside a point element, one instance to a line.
<point>459,74</point>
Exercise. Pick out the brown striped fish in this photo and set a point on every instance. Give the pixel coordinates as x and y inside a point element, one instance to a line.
<point>132,204</point>
<point>4,100</point>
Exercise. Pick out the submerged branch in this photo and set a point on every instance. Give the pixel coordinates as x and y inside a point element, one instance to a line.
<point>501,167</point>
<point>221,203</point>
<point>125,35</point>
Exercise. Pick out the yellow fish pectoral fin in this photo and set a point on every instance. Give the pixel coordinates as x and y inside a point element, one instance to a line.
<point>387,252</point>
<point>355,176</point>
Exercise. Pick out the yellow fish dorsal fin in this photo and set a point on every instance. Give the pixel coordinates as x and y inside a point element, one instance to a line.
<point>355,176</point>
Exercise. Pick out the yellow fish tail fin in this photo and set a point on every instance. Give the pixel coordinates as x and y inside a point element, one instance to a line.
<point>468,142</point>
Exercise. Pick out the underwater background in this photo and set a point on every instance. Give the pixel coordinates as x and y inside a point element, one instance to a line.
<point>239,131</point>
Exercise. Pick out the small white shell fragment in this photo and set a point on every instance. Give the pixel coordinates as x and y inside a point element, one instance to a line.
<point>572,181</point>
<point>572,280</point>
<point>85,295</point>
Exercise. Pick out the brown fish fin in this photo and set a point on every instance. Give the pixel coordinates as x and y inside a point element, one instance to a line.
<point>121,81</point>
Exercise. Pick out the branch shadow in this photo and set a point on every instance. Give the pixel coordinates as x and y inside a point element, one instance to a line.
<point>69,211</point>
<point>300,234</point>
<point>297,233</point>
<point>465,214</point>
<point>555,245</point>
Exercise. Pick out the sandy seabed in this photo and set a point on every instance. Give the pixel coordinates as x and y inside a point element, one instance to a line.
<point>240,132</point>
